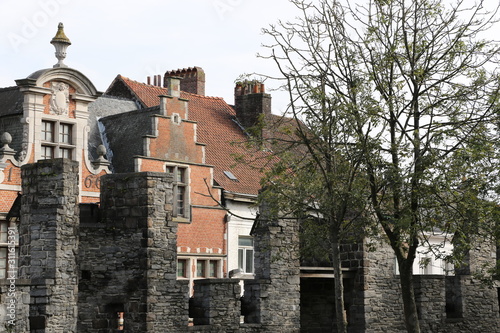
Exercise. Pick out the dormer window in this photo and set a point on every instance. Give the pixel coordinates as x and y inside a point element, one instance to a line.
<point>57,140</point>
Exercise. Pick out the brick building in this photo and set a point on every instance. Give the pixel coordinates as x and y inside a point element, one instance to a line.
<point>169,126</point>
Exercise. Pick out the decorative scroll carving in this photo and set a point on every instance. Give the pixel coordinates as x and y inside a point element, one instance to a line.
<point>59,103</point>
<point>25,143</point>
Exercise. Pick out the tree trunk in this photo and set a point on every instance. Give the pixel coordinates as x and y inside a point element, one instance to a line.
<point>341,320</point>
<point>407,289</point>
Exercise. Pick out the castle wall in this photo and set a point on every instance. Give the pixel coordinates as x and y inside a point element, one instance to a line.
<point>128,259</point>
<point>459,303</point>
<point>82,275</point>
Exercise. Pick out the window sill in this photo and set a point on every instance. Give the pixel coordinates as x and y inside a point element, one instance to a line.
<point>181,220</point>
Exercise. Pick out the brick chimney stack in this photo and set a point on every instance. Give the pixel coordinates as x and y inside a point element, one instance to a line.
<point>193,79</point>
<point>173,85</point>
<point>250,101</point>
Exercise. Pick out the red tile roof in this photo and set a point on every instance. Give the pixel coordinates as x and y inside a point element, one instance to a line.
<point>147,94</point>
<point>218,130</point>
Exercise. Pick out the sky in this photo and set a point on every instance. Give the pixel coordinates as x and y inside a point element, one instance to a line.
<point>143,38</point>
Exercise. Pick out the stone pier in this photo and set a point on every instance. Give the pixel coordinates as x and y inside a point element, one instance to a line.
<point>49,244</point>
<point>273,298</point>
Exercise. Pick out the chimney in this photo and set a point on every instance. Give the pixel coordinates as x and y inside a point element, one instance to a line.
<point>250,101</point>
<point>193,79</point>
<point>163,105</point>
<point>172,83</point>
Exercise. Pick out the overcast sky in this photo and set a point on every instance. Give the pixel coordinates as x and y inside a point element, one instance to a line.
<point>141,38</point>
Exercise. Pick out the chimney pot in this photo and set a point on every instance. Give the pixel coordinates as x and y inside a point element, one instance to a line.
<point>250,101</point>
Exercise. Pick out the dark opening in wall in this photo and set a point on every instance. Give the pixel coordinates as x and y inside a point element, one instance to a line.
<point>454,302</point>
<point>89,213</point>
<point>116,316</point>
<point>498,293</point>
<point>37,323</point>
<point>86,275</point>
<point>317,310</point>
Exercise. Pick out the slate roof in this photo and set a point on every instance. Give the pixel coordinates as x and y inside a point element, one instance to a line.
<point>104,106</point>
<point>11,101</point>
<point>217,129</point>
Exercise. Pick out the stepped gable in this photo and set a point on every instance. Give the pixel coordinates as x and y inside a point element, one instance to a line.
<point>216,128</point>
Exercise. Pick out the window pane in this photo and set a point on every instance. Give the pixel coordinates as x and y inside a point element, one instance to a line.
<point>47,152</point>
<point>48,131</point>
<point>249,261</point>
<point>241,257</point>
<point>3,232</point>
<point>65,153</point>
<point>213,268</point>
<point>245,241</point>
<point>181,268</point>
<point>180,175</point>
<point>3,262</point>
<point>65,133</point>
<point>200,268</point>
<point>180,200</point>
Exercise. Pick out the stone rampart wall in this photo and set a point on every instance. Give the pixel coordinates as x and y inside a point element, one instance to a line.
<point>81,276</point>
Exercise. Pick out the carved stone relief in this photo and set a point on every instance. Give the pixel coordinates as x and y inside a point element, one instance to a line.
<point>25,143</point>
<point>59,102</point>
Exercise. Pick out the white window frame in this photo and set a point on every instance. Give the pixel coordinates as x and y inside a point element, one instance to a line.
<point>61,143</point>
<point>243,251</point>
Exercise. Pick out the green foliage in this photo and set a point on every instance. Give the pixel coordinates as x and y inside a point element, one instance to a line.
<point>400,102</point>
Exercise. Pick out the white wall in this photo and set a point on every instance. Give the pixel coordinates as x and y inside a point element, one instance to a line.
<point>238,225</point>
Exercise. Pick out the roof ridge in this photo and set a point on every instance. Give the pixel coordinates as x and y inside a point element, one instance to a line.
<point>202,96</point>
<point>9,88</point>
<point>141,83</point>
<point>163,88</point>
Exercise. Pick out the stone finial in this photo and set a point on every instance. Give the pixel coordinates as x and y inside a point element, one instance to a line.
<point>5,140</point>
<point>61,43</point>
<point>101,151</point>
<point>101,160</point>
<point>5,151</point>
